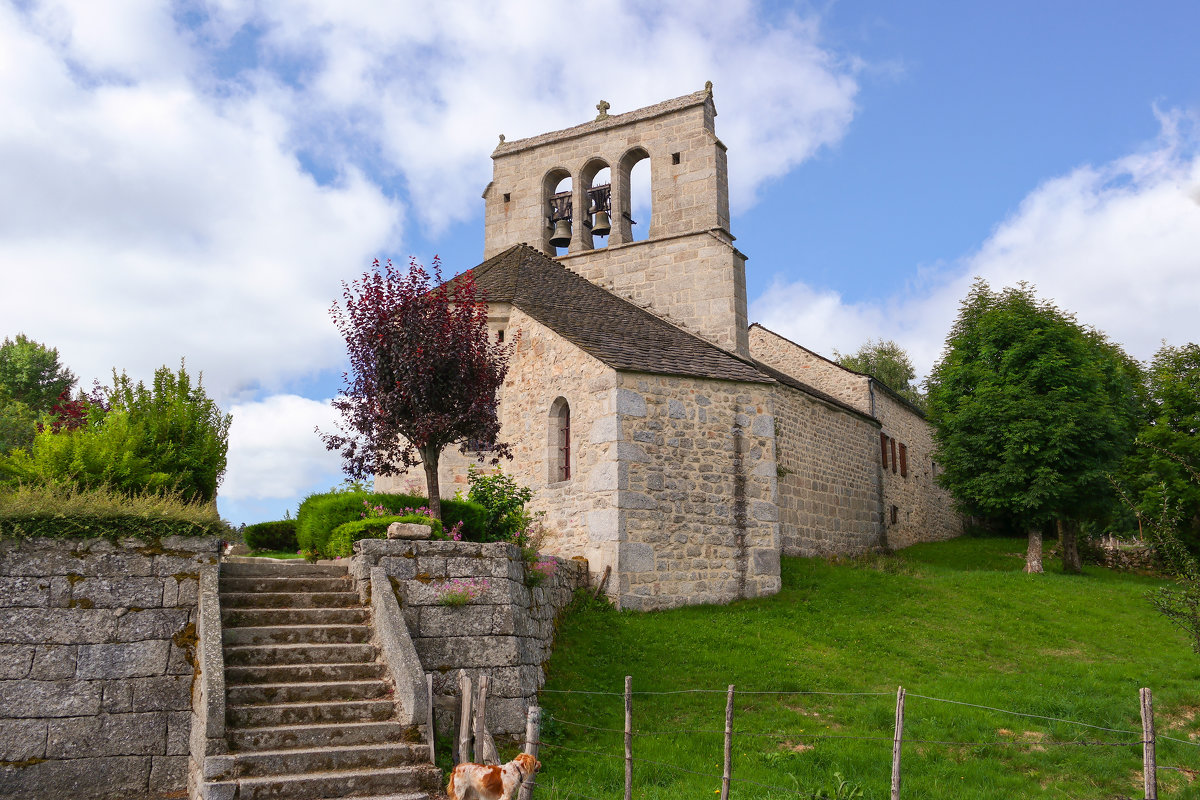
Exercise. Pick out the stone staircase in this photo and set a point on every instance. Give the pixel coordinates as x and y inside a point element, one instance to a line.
<point>309,710</point>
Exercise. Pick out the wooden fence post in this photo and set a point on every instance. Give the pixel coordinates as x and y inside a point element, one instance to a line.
<point>533,724</point>
<point>628,737</point>
<point>463,745</point>
<point>429,714</point>
<point>896,743</point>
<point>485,746</point>
<point>1149,765</point>
<point>727,774</point>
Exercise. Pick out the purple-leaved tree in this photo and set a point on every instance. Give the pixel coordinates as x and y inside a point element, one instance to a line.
<point>424,373</point>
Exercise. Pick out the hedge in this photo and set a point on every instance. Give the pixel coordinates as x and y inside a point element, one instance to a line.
<point>341,541</point>
<point>319,514</point>
<point>278,535</point>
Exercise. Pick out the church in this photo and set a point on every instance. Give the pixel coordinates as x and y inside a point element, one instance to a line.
<point>678,448</point>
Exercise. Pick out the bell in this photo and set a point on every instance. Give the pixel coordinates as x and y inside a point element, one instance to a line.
<point>562,234</point>
<point>603,225</point>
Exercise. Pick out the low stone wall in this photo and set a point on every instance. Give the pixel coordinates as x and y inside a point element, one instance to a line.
<point>97,657</point>
<point>506,633</point>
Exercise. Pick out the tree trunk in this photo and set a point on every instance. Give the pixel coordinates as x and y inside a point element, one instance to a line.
<point>1033,555</point>
<point>429,459</point>
<point>1069,539</point>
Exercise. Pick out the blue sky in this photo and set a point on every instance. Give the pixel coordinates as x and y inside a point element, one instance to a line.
<point>195,179</point>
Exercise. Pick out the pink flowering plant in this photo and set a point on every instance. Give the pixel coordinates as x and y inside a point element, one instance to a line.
<point>540,571</point>
<point>458,592</point>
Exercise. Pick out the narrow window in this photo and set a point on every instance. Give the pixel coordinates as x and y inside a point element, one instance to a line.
<point>559,450</point>
<point>674,158</point>
<point>895,514</point>
<point>892,442</point>
<point>507,197</point>
<point>883,448</point>
<point>500,336</point>
<point>903,461</point>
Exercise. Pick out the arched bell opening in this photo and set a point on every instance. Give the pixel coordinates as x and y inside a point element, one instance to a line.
<point>556,203</point>
<point>596,224</point>
<point>634,203</point>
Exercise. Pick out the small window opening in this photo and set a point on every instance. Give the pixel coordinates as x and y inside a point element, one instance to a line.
<point>560,442</point>
<point>892,442</point>
<point>895,514</point>
<point>500,336</point>
<point>674,158</point>
<point>507,197</point>
<point>883,448</point>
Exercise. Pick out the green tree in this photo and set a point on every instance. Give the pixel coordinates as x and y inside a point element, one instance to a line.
<point>169,436</point>
<point>889,364</point>
<point>1160,471</point>
<point>18,423</point>
<point>31,373</point>
<point>1031,412</point>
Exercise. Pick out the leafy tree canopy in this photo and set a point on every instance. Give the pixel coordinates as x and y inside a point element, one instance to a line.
<point>31,374</point>
<point>424,373</point>
<point>1031,410</point>
<point>889,364</point>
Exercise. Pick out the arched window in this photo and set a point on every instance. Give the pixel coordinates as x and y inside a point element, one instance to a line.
<point>597,222</point>
<point>559,453</point>
<point>635,205</point>
<point>556,195</point>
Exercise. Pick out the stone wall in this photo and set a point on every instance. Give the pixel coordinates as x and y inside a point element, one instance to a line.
<point>807,367</point>
<point>696,519</point>
<point>829,494</point>
<point>97,657</point>
<point>915,507</point>
<point>507,633</point>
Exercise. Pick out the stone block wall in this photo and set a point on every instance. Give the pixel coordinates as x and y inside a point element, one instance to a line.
<point>97,658</point>
<point>697,518</point>
<point>507,633</point>
<point>829,494</point>
<point>923,511</point>
<point>808,367</point>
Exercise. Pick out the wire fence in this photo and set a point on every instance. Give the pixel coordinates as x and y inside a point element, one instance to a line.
<point>1111,738</point>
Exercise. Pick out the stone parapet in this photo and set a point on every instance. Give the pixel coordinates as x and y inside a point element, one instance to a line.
<point>507,632</point>
<point>98,652</point>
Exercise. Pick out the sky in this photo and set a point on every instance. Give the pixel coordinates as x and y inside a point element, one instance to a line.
<point>196,179</point>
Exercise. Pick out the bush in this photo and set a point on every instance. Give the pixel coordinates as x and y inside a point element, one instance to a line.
<point>64,511</point>
<point>341,541</point>
<point>279,535</point>
<point>168,438</point>
<point>320,514</point>
<point>504,501</point>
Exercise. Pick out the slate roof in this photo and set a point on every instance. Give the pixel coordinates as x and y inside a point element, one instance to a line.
<point>605,326</point>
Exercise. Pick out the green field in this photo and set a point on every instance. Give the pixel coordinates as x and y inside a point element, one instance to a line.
<point>956,621</point>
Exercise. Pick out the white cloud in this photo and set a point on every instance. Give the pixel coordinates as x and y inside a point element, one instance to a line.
<point>1118,244</point>
<point>273,451</point>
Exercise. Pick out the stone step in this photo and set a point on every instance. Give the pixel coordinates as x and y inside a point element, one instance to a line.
<point>280,737</point>
<point>262,716</point>
<point>267,617</point>
<point>284,584</point>
<point>291,567</point>
<point>325,691</point>
<point>280,654</point>
<point>284,599</point>
<point>329,758</point>
<point>297,634</point>
<point>373,783</point>
<point>302,673</point>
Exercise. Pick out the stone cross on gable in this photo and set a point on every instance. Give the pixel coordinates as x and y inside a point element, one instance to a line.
<point>603,108</point>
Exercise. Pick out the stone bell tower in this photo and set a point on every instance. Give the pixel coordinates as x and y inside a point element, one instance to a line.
<point>687,269</point>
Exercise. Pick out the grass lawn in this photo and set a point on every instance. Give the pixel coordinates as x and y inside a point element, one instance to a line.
<point>275,554</point>
<point>957,620</point>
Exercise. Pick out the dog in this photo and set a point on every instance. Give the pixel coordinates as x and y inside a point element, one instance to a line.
<point>479,782</point>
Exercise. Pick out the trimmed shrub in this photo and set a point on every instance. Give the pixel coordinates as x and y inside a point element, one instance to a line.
<point>278,535</point>
<point>320,514</point>
<point>61,511</point>
<point>341,541</point>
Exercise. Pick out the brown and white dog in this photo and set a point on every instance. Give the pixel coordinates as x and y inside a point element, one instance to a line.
<point>479,782</point>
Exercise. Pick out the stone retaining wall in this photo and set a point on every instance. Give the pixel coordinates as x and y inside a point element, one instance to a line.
<point>506,633</point>
<point>97,657</point>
